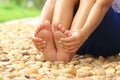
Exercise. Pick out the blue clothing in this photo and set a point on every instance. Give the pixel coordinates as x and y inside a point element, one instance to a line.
<point>105,40</point>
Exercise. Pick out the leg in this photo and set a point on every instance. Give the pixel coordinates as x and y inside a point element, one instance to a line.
<point>45,41</point>
<point>77,23</point>
<point>44,31</point>
<point>47,11</point>
<point>77,38</point>
<point>82,14</point>
<point>64,10</point>
<point>62,55</point>
<point>105,40</point>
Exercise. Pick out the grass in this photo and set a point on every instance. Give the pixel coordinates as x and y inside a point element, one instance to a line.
<point>1,78</point>
<point>11,12</point>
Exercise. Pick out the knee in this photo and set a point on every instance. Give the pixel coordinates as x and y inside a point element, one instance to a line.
<point>87,1</point>
<point>104,3</point>
<point>68,2</point>
<point>51,1</point>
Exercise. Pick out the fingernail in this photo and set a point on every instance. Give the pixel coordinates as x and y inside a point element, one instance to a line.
<point>59,42</point>
<point>60,39</point>
<point>61,45</point>
<point>66,50</point>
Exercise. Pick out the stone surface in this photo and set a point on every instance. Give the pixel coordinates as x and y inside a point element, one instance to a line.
<point>20,60</point>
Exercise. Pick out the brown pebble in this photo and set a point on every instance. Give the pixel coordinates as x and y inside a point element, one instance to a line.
<point>25,53</point>
<point>32,70</point>
<point>38,76</point>
<point>1,48</point>
<point>73,70</point>
<point>101,58</point>
<point>117,67</point>
<point>4,59</point>
<point>84,74</point>
<point>27,76</point>
<point>4,52</point>
<point>13,74</point>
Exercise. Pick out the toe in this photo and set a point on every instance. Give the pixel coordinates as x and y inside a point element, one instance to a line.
<point>56,26</point>
<point>40,27</point>
<point>35,33</point>
<point>47,25</point>
<point>67,33</point>
<point>61,28</point>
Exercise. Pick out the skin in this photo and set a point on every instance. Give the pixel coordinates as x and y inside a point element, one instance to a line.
<point>44,31</point>
<point>63,14</point>
<point>47,11</point>
<point>40,41</point>
<point>68,38</point>
<point>45,41</point>
<point>93,20</point>
<point>77,24</point>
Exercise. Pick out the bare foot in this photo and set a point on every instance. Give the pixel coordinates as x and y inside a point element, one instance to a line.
<point>44,41</point>
<point>62,55</point>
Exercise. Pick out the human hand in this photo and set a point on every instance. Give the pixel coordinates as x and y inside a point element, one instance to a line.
<point>73,42</point>
<point>39,43</point>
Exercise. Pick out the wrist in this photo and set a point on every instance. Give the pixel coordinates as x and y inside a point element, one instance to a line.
<point>85,33</point>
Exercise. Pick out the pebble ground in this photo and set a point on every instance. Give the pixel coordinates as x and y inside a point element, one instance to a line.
<point>19,59</point>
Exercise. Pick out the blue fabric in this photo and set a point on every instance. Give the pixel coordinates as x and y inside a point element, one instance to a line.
<point>105,40</point>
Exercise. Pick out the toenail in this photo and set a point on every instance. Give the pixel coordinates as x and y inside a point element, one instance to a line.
<point>40,39</point>
<point>44,42</point>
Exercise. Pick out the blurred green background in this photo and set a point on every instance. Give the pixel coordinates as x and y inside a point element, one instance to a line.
<point>16,9</point>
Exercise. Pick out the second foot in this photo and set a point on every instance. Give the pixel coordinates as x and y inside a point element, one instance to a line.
<point>62,55</point>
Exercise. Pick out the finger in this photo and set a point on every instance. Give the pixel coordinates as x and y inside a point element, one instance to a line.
<point>40,43</point>
<point>35,39</point>
<point>72,50</point>
<point>74,43</point>
<point>67,39</point>
<point>40,46</point>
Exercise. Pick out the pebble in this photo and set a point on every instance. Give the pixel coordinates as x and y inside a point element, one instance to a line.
<point>20,60</point>
<point>32,70</point>
<point>5,59</point>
